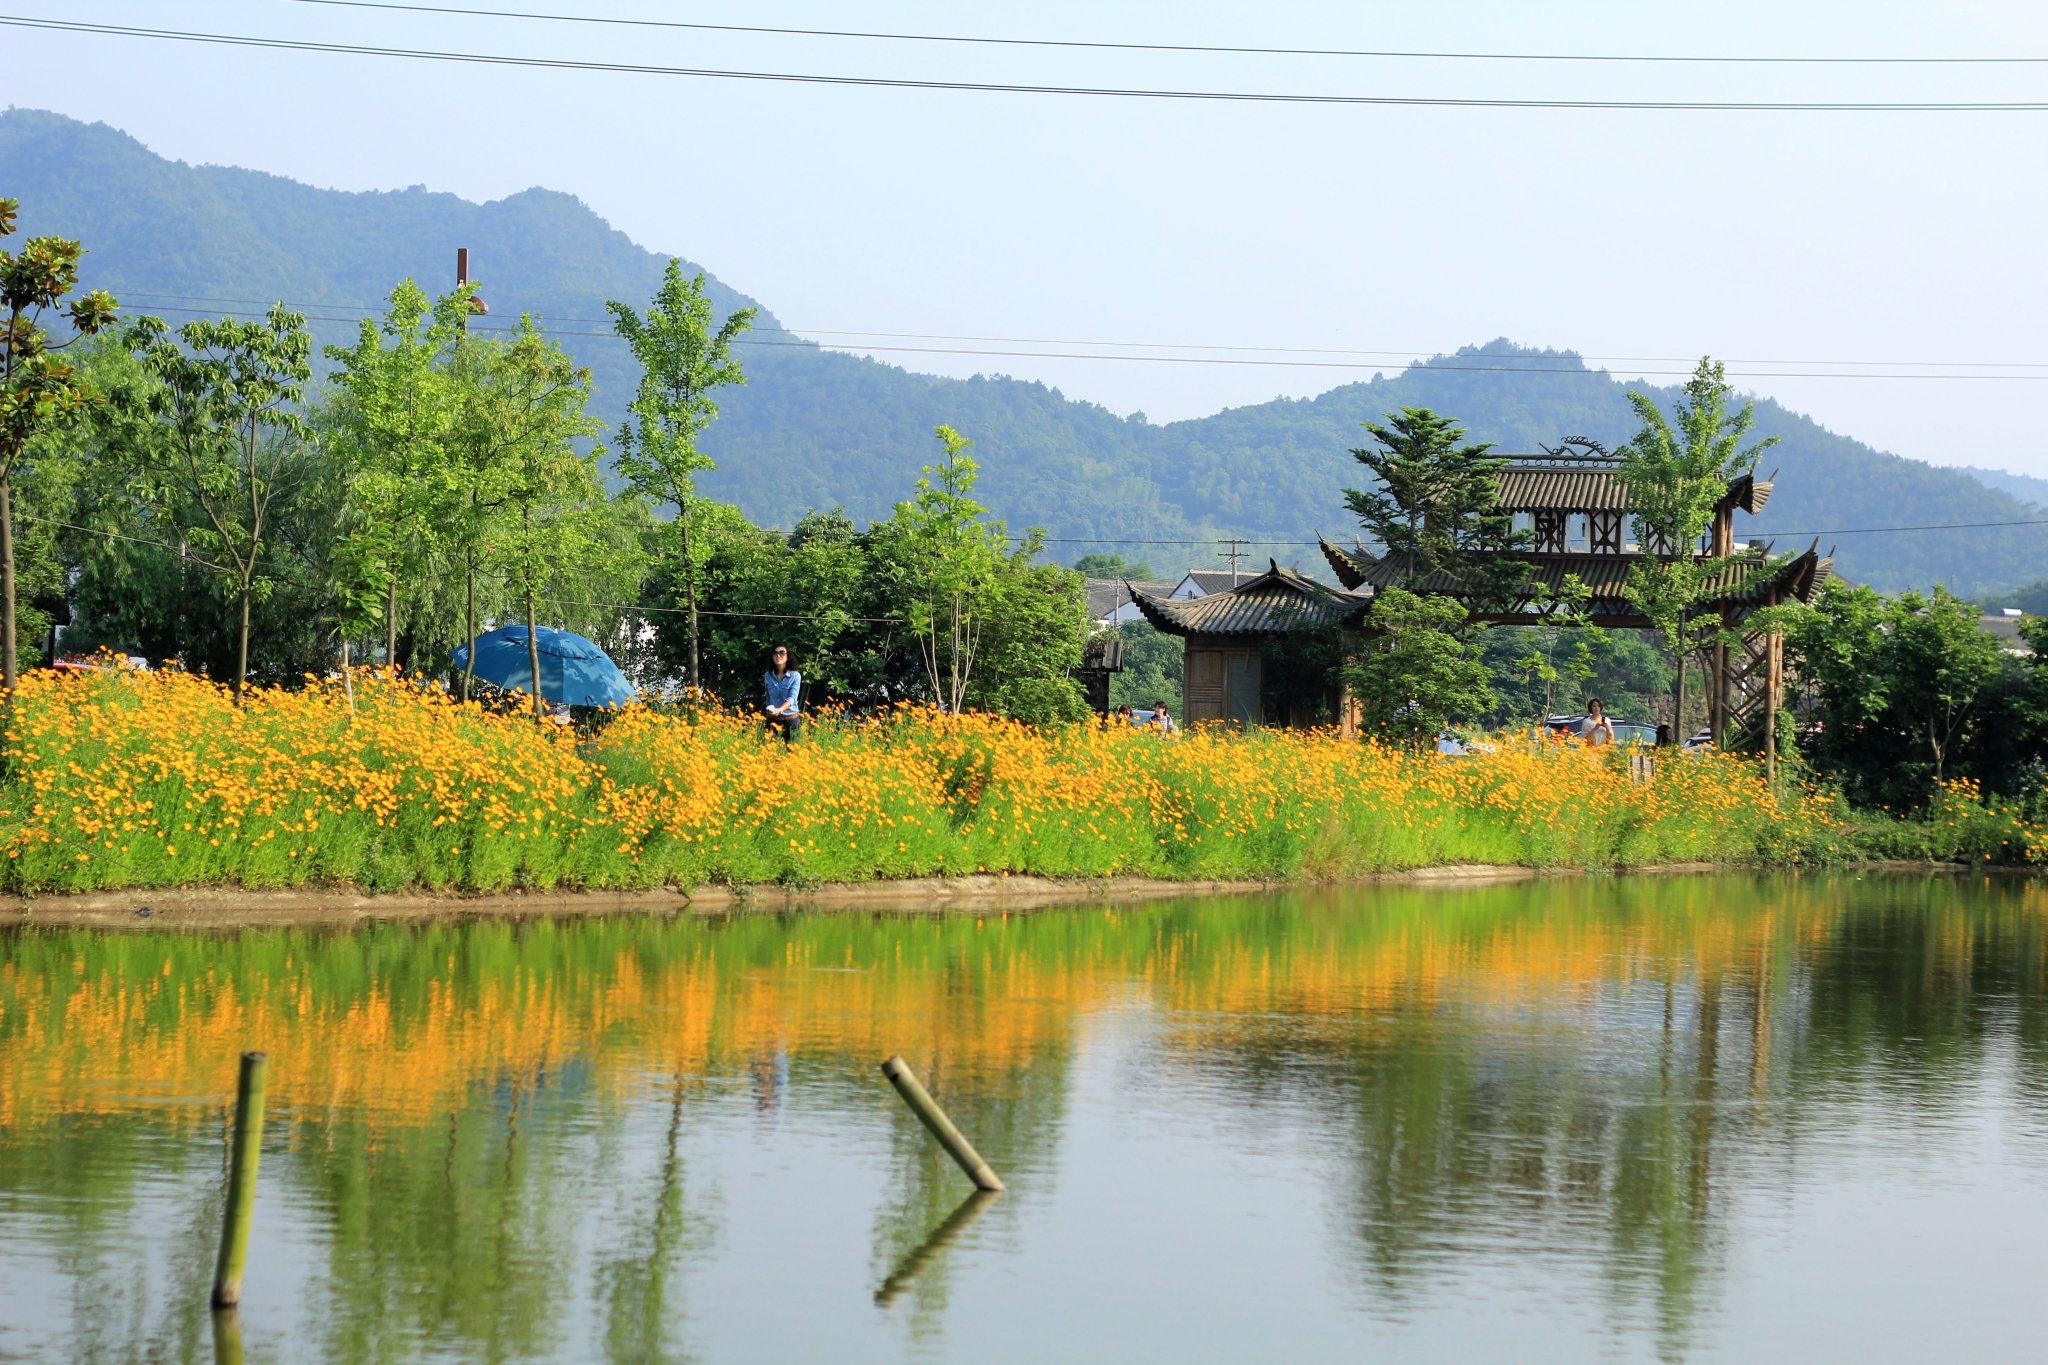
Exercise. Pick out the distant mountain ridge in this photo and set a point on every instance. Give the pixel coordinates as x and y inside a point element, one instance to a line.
<point>815,428</point>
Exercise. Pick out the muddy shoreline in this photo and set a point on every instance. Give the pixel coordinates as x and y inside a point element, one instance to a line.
<point>232,907</point>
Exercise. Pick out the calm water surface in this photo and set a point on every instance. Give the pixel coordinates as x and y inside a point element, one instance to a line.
<point>1719,1118</point>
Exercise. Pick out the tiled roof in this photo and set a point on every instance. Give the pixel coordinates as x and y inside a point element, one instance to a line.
<point>1105,595</point>
<point>1571,488</point>
<point>1271,603</point>
<point>1583,488</point>
<point>1605,577</point>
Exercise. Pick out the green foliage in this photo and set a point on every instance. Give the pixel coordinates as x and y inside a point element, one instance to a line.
<point>1542,670</point>
<point>390,428</point>
<point>939,562</point>
<point>1675,478</point>
<point>682,361</point>
<point>1414,676</point>
<point>1113,566</point>
<point>40,392</point>
<point>558,519</point>
<point>1154,665</point>
<point>1905,692</point>
<point>219,429</point>
<point>1434,507</point>
<point>759,589</point>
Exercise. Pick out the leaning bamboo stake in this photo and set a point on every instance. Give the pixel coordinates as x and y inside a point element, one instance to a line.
<point>927,1110</point>
<point>227,1336</point>
<point>248,1148</point>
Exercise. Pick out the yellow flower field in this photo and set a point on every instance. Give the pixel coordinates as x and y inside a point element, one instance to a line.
<point>151,780</point>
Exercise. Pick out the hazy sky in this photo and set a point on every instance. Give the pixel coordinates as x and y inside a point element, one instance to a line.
<point>1794,244</point>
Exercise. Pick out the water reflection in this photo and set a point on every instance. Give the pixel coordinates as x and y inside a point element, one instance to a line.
<point>632,1140</point>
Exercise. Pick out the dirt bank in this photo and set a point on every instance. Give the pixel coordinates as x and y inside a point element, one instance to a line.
<point>227,907</point>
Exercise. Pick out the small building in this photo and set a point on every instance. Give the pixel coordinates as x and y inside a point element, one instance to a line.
<point>1110,603</point>
<point>1224,677</point>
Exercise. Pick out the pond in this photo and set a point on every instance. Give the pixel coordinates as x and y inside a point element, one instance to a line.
<point>1683,1118</point>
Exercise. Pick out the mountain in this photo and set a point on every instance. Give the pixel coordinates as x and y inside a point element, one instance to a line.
<point>814,428</point>
<point>2025,487</point>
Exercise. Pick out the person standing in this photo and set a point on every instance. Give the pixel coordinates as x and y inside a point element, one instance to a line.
<point>1162,719</point>
<point>785,696</point>
<point>1596,729</point>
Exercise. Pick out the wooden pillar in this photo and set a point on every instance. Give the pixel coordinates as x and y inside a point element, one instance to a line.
<point>1774,686</point>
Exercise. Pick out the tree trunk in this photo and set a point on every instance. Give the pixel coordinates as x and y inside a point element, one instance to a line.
<point>532,624</point>
<point>242,660</point>
<point>690,589</point>
<point>348,683</point>
<point>391,623</point>
<point>533,652</point>
<point>1678,735</point>
<point>7,664</point>
<point>469,620</point>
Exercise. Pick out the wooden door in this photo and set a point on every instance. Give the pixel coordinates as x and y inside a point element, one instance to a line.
<point>1203,697</point>
<point>1243,672</point>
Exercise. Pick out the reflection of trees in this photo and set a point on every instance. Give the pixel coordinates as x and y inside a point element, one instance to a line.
<point>1574,1069</point>
<point>1596,1067</point>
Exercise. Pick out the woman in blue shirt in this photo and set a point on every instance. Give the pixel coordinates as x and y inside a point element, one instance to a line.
<point>785,691</point>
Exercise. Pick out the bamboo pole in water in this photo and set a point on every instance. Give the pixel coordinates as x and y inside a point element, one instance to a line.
<point>248,1148</point>
<point>927,1110</point>
<point>227,1336</point>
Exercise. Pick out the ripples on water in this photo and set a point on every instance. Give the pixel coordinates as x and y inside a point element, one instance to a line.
<point>1703,1118</point>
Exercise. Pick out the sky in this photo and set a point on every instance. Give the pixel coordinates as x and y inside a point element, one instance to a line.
<point>1882,271</point>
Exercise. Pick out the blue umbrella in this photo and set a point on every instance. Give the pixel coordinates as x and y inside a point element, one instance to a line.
<point>572,669</point>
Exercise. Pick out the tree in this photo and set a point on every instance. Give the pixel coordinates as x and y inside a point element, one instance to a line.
<point>760,588</point>
<point>527,411</point>
<point>222,430</point>
<point>1435,508</point>
<point>1112,566</point>
<point>394,425</point>
<point>1414,675</point>
<point>39,390</point>
<point>939,560</point>
<point>1906,691</point>
<point>682,361</point>
<point>1675,478</point>
<point>1034,622</point>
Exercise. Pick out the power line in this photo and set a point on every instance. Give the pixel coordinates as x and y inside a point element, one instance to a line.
<point>1178,47</point>
<point>1004,88</point>
<point>1435,363</point>
<point>1413,355</point>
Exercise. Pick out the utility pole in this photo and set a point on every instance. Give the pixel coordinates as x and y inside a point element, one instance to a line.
<point>462,278</point>
<point>1233,554</point>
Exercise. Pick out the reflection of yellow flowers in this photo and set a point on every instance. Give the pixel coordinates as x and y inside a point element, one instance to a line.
<point>159,779</point>
<point>407,1021</point>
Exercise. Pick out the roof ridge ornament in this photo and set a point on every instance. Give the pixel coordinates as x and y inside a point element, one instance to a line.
<point>1576,450</point>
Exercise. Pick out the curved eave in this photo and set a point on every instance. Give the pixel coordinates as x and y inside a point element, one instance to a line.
<point>1272,608</point>
<point>1351,568</point>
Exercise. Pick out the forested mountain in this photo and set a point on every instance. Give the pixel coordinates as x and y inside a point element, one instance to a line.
<point>815,428</point>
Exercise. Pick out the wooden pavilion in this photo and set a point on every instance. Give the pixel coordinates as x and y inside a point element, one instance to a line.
<point>1579,510</point>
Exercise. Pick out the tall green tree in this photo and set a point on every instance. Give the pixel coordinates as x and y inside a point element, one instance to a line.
<point>1907,692</point>
<point>1413,675</point>
<point>39,390</point>
<point>222,431</point>
<point>940,560</point>
<point>530,406</point>
<point>1676,472</point>
<point>1434,508</point>
<point>395,420</point>
<point>683,360</point>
